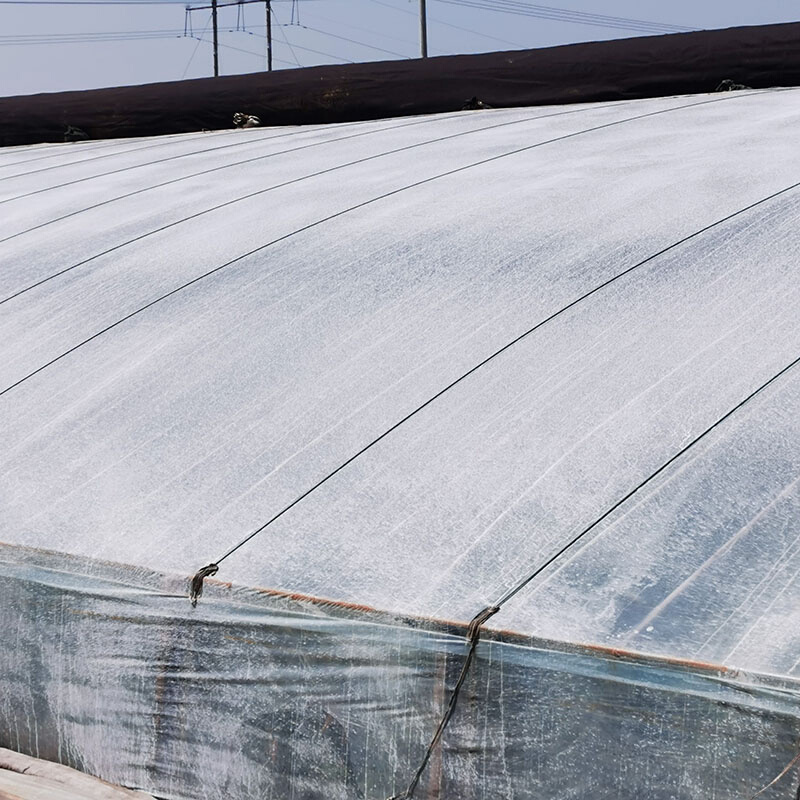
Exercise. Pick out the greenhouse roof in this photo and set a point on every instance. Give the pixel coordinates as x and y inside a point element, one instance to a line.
<point>539,358</point>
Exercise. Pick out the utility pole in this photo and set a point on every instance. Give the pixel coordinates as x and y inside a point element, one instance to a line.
<point>269,35</point>
<point>216,37</point>
<point>423,29</point>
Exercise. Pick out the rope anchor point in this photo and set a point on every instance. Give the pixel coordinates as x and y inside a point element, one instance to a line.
<point>196,589</point>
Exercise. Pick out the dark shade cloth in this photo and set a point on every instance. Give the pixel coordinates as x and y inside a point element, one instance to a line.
<point>651,66</point>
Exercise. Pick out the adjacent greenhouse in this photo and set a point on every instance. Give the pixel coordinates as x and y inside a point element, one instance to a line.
<point>383,376</point>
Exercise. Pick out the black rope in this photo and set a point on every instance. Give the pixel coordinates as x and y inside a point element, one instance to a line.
<point>296,180</point>
<point>783,772</point>
<point>474,629</point>
<point>245,142</point>
<point>87,147</point>
<point>150,146</point>
<point>93,158</point>
<point>473,633</point>
<point>240,142</point>
<point>213,169</point>
<point>491,357</point>
<point>257,193</point>
<point>473,636</point>
<point>513,591</point>
<point>316,223</point>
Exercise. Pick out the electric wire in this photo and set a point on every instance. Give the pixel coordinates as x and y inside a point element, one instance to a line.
<point>483,6</point>
<point>233,3</point>
<point>372,31</point>
<point>197,46</point>
<point>566,15</point>
<point>87,38</point>
<point>294,46</point>
<point>353,41</point>
<point>285,37</point>
<point>280,26</point>
<point>248,52</point>
<point>448,24</point>
<point>121,36</point>
<point>112,2</point>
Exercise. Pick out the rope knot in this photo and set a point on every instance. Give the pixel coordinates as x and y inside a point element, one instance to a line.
<point>196,589</point>
<point>474,630</point>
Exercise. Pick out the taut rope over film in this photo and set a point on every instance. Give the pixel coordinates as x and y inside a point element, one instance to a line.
<point>474,629</point>
<point>479,365</point>
<point>473,633</point>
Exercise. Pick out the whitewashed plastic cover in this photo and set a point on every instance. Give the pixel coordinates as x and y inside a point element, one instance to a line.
<point>196,330</point>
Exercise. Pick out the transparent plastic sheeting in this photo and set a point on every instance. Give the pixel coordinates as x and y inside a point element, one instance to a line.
<point>199,328</point>
<point>270,698</point>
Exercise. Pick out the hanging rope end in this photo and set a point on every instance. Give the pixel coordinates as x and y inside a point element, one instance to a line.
<point>196,589</point>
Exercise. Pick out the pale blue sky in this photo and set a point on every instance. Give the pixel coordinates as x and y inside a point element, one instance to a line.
<point>330,31</point>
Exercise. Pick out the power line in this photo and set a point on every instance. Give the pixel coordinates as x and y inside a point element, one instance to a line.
<point>123,36</point>
<point>90,2</point>
<point>282,25</point>
<point>236,3</point>
<point>448,24</point>
<point>115,2</point>
<point>516,7</point>
<point>88,38</point>
<point>578,16</point>
<point>248,52</point>
<point>166,31</point>
<point>350,26</point>
<point>353,41</point>
<point>566,15</point>
<point>286,39</point>
<point>196,47</point>
<point>115,36</point>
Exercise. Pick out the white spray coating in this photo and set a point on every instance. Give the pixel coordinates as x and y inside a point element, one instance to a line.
<point>165,440</point>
